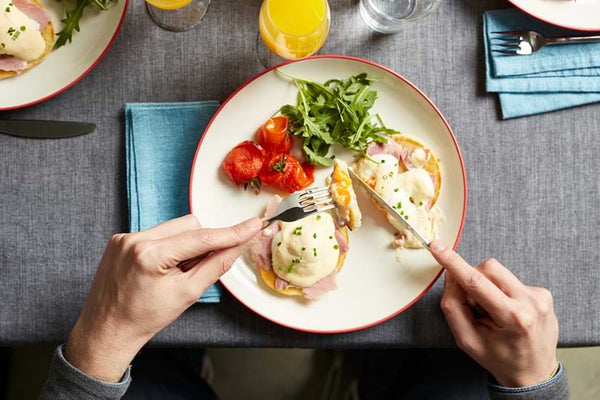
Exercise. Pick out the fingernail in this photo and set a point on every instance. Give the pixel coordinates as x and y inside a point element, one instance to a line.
<point>438,245</point>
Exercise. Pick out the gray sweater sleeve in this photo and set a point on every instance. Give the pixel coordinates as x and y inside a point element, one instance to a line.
<point>65,382</point>
<point>556,388</point>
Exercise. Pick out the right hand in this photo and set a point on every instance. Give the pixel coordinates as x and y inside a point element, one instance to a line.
<point>139,289</point>
<point>515,339</point>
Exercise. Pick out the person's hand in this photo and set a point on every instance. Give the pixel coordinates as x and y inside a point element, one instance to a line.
<point>513,334</point>
<point>138,289</point>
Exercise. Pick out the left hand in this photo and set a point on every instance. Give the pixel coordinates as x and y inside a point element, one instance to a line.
<point>138,289</point>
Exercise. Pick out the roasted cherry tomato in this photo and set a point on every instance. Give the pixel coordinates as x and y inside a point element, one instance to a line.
<point>273,136</point>
<point>284,172</point>
<point>244,162</point>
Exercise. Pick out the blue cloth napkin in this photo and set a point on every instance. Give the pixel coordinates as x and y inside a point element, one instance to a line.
<point>160,142</point>
<point>556,77</point>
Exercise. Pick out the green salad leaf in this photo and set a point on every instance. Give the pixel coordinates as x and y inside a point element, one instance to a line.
<point>72,17</point>
<point>337,111</point>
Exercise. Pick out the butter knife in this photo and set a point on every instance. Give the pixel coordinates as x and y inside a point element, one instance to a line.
<point>372,194</point>
<point>41,129</point>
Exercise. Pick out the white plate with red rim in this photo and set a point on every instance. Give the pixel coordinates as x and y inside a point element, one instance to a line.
<point>373,285</point>
<point>582,15</point>
<point>67,65</point>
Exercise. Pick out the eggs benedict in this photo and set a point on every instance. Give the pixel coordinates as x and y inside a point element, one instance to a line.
<point>303,258</point>
<point>26,36</point>
<point>342,192</point>
<point>407,175</point>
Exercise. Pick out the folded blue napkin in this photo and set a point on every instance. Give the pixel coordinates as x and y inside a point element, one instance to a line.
<point>554,78</point>
<point>161,141</point>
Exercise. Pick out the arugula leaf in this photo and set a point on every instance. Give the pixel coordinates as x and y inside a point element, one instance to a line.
<point>72,17</point>
<point>337,111</point>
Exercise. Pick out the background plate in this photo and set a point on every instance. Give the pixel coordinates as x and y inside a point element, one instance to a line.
<point>583,15</point>
<point>373,286</point>
<point>69,64</point>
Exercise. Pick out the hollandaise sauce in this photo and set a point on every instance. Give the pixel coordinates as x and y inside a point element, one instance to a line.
<point>409,192</point>
<point>305,251</point>
<point>19,34</point>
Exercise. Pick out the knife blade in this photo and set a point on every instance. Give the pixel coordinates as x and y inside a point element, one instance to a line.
<point>372,194</point>
<point>44,129</point>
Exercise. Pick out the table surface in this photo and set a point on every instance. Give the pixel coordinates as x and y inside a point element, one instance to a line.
<point>533,188</point>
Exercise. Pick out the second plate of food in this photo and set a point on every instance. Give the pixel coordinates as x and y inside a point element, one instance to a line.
<point>378,280</point>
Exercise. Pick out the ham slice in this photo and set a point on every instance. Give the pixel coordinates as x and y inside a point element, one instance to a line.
<point>33,11</point>
<point>281,284</point>
<point>12,63</point>
<point>260,249</point>
<point>392,148</point>
<point>323,286</point>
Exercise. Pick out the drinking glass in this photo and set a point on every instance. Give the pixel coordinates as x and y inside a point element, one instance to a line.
<point>177,15</point>
<point>291,29</point>
<point>388,16</point>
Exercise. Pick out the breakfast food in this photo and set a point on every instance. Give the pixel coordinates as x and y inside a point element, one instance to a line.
<point>407,175</point>
<point>342,192</point>
<point>26,36</point>
<point>303,258</point>
<point>268,161</point>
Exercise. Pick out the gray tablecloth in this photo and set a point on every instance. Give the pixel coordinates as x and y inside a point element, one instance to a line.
<point>533,182</point>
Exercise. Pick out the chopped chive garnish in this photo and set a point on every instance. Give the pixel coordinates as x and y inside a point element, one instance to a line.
<point>315,251</point>
<point>335,246</point>
<point>395,190</point>
<point>279,244</point>
<point>314,235</point>
<point>304,248</point>
<point>420,203</point>
<point>406,217</point>
<point>318,217</point>
<point>330,237</point>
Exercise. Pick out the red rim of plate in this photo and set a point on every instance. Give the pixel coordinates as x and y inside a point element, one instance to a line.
<point>453,137</point>
<point>83,74</point>
<point>576,28</point>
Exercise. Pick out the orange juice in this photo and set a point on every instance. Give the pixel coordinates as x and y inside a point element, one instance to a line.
<point>294,28</point>
<point>169,4</point>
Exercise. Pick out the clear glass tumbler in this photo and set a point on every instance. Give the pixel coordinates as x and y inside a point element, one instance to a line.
<point>388,16</point>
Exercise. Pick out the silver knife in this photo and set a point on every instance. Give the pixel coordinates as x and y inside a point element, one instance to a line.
<point>40,129</point>
<point>391,210</point>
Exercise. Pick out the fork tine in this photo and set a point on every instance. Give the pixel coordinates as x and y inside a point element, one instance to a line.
<point>510,53</point>
<point>512,39</point>
<point>322,200</point>
<point>312,190</point>
<point>510,32</point>
<point>506,47</point>
<point>319,207</point>
<point>313,194</point>
<point>326,207</point>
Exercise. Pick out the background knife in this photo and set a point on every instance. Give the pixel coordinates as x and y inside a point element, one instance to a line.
<point>40,129</point>
<point>383,204</point>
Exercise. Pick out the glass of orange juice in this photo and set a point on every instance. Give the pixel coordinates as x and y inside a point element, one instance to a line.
<point>177,15</point>
<point>291,29</point>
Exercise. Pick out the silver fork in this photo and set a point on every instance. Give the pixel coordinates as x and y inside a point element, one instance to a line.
<point>522,43</point>
<point>301,204</point>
